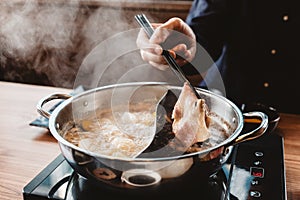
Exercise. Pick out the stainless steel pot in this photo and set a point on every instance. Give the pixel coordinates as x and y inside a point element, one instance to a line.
<point>144,172</point>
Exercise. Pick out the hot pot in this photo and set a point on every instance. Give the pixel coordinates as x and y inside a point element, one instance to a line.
<point>140,173</point>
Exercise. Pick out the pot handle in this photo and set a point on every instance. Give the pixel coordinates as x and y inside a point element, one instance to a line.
<point>259,131</point>
<point>46,99</point>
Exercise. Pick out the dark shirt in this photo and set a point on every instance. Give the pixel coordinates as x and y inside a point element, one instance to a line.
<point>255,46</point>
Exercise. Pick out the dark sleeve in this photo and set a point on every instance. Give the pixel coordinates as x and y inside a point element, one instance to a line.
<point>208,19</point>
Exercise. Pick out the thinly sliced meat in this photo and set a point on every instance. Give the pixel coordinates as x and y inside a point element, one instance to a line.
<point>189,115</point>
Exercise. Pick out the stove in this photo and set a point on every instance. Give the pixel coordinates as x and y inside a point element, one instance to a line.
<point>254,170</point>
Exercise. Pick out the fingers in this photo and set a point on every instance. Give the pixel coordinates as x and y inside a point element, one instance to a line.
<point>178,25</point>
<point>160,35</point>
<point>183,51</point>
<point>142,41</point>
<point>185,36</point>
<point>175,35</point>
<point>150,56</point>
<point>151,51</point>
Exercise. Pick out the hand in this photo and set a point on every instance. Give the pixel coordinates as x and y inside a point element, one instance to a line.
<point>175,36</point>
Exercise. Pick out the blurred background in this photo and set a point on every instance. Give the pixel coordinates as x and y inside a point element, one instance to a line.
<point>44,42</point>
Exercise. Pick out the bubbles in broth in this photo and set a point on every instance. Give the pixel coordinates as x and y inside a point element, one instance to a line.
<point>118,132</point>
<point>126,133</point>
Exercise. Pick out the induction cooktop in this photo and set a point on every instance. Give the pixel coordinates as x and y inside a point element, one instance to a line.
<point>255,170</point>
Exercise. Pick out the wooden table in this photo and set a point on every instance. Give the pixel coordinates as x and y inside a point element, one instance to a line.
<point>26,150</point>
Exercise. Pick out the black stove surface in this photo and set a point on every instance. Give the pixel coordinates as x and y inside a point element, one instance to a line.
<point>255,170</point>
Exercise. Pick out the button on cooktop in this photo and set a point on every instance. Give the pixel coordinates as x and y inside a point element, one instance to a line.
<point>255,194</point>
<point>259,154</point>
<point>257,163</point>
<point>255,182</point>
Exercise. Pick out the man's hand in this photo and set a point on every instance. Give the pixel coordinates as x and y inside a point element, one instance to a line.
<point>175,36</point>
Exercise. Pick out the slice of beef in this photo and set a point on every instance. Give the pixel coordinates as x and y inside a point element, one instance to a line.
<point>189,118</point>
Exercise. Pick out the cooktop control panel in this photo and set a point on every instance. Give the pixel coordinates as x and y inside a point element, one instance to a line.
<point>259,171</point>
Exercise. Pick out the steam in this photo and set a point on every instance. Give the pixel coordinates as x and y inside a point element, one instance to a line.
<point>30,25</point>
<point>50,40</point>
<point>46,41</point>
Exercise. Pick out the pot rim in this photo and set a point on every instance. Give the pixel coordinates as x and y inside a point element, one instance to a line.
<point>60,139</point>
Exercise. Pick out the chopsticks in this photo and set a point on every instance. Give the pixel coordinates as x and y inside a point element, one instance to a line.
<point>145,24</point>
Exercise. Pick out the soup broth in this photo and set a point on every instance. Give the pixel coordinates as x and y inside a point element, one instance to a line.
<point>127,131</point>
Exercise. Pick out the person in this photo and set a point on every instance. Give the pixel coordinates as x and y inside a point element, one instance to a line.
<point>254,45</point>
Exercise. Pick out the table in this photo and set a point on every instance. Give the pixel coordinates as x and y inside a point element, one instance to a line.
<point>26,150</point>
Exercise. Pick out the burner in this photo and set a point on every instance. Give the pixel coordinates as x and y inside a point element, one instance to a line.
<point>81,188</point>
<point>58,181</point>
<point>255,170</point>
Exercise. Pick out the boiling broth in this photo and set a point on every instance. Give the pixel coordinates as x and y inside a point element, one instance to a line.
<point>126,132</point>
